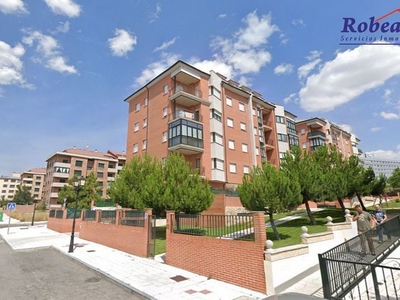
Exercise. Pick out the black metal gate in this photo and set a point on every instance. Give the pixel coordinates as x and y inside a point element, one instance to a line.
<point>348,270</point>
<point>151,244</point>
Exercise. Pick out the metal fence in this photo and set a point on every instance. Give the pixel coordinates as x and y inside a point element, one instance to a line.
<point>52,213</point>
<point>347,265</point>
<point>89,216</point>
<point>108,216</point>
<point>220,226</point>
<point>70,213</point>
<point>133,218</point>
<point>59,214</point>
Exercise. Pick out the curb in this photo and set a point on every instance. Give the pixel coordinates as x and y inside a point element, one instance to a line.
<point>107,276</point>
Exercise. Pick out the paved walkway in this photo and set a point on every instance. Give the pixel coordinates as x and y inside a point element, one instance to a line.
<point>147,277</point>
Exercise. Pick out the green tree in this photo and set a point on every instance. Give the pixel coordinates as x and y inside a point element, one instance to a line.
<point>379,186</point>
<point>359,179</point>
<point>268,189</point>
<point>23,195</point>
<point>394,179</point>
<point>302,169</point>
<point>88,193</point>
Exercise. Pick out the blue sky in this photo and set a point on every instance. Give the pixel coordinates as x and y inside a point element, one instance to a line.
<point>66,66</point>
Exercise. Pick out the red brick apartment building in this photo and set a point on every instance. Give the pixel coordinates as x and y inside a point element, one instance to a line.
<point>81,162</point>
<point>221,127</point>
<point>315,132</point>
<point>34,179</point>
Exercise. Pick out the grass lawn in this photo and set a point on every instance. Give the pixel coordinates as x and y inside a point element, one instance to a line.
<point>160,239</point>
<point>285,214</point>
<point>290,232</point>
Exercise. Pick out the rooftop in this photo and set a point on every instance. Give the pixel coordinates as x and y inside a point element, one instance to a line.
<point>36,171</point>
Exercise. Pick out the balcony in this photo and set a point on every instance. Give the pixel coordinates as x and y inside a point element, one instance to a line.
<point>185,137</point>
<point>269,145</point>
<point>53,195</point>
<point>184,114</point>
<point>185,145</point>
<point>316,123</point>
<point>62,165</point>
<point>316,134</point>
<point>187,95</point>
<point>267,125</point>
<point>58,184</point>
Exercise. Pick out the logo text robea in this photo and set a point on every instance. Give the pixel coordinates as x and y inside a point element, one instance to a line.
<point>351,25</point>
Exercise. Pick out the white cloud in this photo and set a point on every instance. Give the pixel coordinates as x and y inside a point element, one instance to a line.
<point>314,60</point>
<point>398,147</point>
<point>297,22</point>
<point>165,45</point>
<point>389,115</point>
<point>348,76</point>
<point>155,68</point>
<point>64,7</point>
<point>385,154</point>
<point>11,65</point>
<point>122,42</point>
<point>63,27</point>
<point>214,65</point>
<point>314,55</point>
<point>154,16</point>
<point>221,16</point>
<point>387,93</point>
<point>284,39</point>
<point>346,127</point>
<point>289,98</point>
<point>49,49</point>
<point>283,69</point>
<point>376,129</point>
<point>12,7</point>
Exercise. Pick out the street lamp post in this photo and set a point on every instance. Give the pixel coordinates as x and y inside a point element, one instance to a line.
<point>34,211</point>
<point>78,184</point>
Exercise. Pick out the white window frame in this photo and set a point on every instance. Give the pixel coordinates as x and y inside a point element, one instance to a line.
<point>164,137</point>
<point>144,122</point>
<point>303,131</point>
<point>165,112</point>
<point>136,128</point>
<point>246,169</point>
<point>229,122</point>
<point>254,111</point>
<point>137,107</point>
<point>165,89</point>
<point>231,144</point>
<point>135,148</point>
<point>217,164</point>
<point>243,126</point>
<point>255,130</point>
<point>216,138</point>
<point>146,101</point>
<point>228,101</point>
<point>304,145</point>
<point>232,168</point>
<point>245,148</point>
<point>257,151</point>
<point>144,147</point>
<point>241,106</point>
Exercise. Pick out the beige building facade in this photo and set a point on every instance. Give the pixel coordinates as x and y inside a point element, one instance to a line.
<point>8,186</point>
<point>34,179</point>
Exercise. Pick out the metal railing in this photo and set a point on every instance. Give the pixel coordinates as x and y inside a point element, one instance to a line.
<point>189,115</point>
<point>239,227</point>
<point>59,214</point>
<point>316,133</point>
<point>108,216</point>
<point>70,213</point>
<point>133,218</point>
<point>347,265</point>
<point>180,87</point>
<point>52,213</point>
<point>89,216</point>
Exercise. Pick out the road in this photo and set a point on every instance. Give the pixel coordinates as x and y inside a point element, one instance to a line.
<point>44,274</point>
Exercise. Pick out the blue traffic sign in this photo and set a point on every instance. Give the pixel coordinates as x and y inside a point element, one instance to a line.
<point>11,206</point>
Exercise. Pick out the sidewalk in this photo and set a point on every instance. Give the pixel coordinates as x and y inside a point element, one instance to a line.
<point>15,222</point>
<point>147,277</point>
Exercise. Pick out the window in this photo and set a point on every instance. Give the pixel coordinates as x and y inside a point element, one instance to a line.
<point>241,106</point>
<point>228,101</point>
<point>302,131</point>
<point>280,119</point>
<point>3,191</point>
<point>216,115</point>
<point>243,126</point>
<point>101,166</point>
<point>197,163</point>
<point>135,148</point>
<point>4,185</point>
<point>11,192</point>
<point>144,122</point>
<point>78,173</point>
<point>282,137</point>
<point>137,107</point>
<point>231,144</point>
<point>232,168</point>
<point>216,138</point>
<point>347,143</point>
<point>36,189</point>
<point>100,183</point>
<point>144,145</point>
<point>186,132</point>
<point>164,136</point>
<point>38,177</point>
<point>215,92</point>
<point>257,151</point>
<point>65,161</point>
<point>245,148</point>
<point>136,127</point>
<point>5,180</point>
<point>255,130</point>
<point>78,163</point>
<point>165,89</point>
<point>229,122</point>
<point>146,101</point>
<point>304,145</point>
<point>217,164</point>
<point>165,112</point>
<point>246,169</point>
<point>110,166</point>
<point>37,183</point>
<point>254,111</point>
<point>281,155</point>
<point>100,174</point>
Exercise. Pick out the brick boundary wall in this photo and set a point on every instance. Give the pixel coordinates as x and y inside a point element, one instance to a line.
<point>63,225</point>
<point>130,239</point>
<point>237,262</point>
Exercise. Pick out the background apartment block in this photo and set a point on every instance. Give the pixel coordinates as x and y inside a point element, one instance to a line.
<point>315,132</point>
<point>80,162</point>
<point>221,127</point>
<point>380,166</point>
<point>34,179</point>
<point>8,186</point>
<point>286,130</point>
